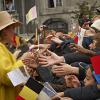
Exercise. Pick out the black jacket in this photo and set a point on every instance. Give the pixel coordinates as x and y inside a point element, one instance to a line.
<point>76,57</point>
<point>83,93</point>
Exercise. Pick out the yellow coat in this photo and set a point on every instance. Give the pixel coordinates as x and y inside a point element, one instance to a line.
<point>7,63</point>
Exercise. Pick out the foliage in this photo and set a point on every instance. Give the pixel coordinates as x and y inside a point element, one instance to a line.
<point>85,10</point>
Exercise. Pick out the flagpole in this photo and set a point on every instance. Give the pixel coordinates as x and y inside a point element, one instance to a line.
<point>37,35</point>
<point>38,41</point>
<point>44,34</point>
<point>23,14</point>
<point>36,21</point>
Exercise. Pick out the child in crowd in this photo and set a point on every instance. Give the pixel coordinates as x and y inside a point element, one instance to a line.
<point>88,92</point>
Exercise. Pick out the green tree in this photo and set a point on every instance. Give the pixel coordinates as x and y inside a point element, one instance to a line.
<point>85,9</point>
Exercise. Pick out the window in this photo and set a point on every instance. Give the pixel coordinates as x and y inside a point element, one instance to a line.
<point>58,2</point>
<point>9,5</point>
<point>51,3</point>
<point>54,3</point>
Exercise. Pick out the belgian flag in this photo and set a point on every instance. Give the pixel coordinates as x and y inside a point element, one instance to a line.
<point>16,40</point>
<point>19,98</point>
<point>31,90</point>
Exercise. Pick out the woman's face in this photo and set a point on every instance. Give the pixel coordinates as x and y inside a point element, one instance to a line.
<point>89,80</point>
<point>9,33</point>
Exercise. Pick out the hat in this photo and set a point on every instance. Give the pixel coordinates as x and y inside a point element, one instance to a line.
<point>7,20</point>
<point>98,10</point>
<point>96,25</point>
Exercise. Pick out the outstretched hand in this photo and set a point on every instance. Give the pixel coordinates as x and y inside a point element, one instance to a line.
<point>56,40</point>
<point>78,48</point>
<point>29,60</point>
<point>50,59</point>
<point>72,81</point>
<point>40,46</point>
<point>62,69</point>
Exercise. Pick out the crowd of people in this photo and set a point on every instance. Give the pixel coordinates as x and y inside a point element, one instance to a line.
<point>51,56</point>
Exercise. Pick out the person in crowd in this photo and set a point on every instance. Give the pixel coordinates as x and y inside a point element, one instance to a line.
<point>73,57</point>
<point>90,90</point>
<point>43,31</point>
<point>96,17</point>
<point>98,10</point>
<point>63,69</point>
<point>7,60</point>
<point>9,5</point>
<point>59,59</point>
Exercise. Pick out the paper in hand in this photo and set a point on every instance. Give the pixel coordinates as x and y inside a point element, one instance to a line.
<point>18,76</point>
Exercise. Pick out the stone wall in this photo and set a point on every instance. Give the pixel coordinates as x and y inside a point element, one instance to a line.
<point>64,12</point>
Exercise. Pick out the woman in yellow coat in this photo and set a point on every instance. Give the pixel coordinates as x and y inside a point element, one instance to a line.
<point>7,61</point>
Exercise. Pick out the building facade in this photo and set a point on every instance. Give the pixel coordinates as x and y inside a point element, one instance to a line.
<point>56,14</point>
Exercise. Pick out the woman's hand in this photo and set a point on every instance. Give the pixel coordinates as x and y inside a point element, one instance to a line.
<point>29,60</point>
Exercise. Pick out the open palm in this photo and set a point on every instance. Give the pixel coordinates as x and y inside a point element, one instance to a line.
<point>50,60</point>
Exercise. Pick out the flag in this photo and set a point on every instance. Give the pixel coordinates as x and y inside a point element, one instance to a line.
<point>19,98</point>
<point>76,39</point>
<point>31,89</point>
<point>28,94</point>
<point>97,77</point>
<point>32,14</point>
<point>96,64</point>
<point>47,92</point>
<point>80,36</point>
<point>16,40</point>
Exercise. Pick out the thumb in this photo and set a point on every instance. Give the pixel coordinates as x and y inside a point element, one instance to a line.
<point>49,52</point>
